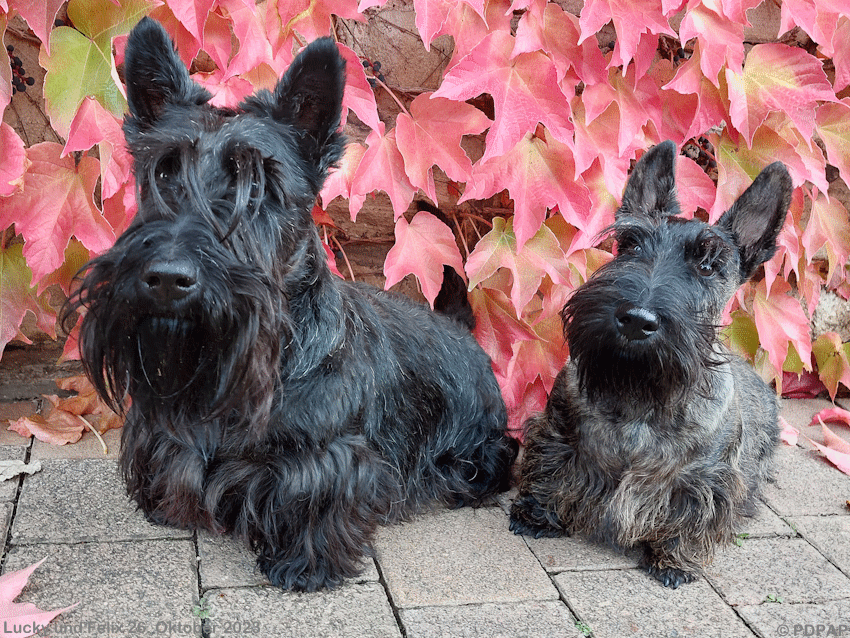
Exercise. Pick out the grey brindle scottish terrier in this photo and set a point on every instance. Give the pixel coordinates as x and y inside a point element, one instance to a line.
<point>654,434</point>
<point>269,398</point>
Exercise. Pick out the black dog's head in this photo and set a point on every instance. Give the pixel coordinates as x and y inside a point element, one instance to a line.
<point>187,311</point>
<point>644,326</point>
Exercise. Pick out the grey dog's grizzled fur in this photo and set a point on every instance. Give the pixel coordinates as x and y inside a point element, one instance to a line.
<point>654,434</point>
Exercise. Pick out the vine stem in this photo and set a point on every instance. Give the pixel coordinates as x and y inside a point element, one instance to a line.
<point>345,257</point>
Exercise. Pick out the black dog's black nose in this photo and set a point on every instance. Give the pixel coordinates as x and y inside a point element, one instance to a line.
<point>169,281</point>
<point>636,323</point>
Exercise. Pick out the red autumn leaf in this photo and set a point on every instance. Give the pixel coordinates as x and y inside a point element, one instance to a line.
<point>13,160</point>
<point>841,54</point>
<point>524,89</point>
<point>595,142</point>
<point>833,125</point>
<point>56,203</point>
<point>358,95</point>
<point>17,297</point>
<point>226,92</point>
<point>312,18</point>
<point>631,18</point>
<point>777,77</point>
<point>694,188</point>
<point>5,73</point>
<point>187,44</point>
<point>721,40</point>
<point>835,449</point>
<point>422,247</point>
<point>831,415</point>
<point>468,28</point>
<point>382,168</point>
<point>542,254</point>
<point>780,319</point>
<point>828,228</point>
<point>22,615</point>
<point>431,134</point>
<point>547,27</point>
<point>192,14</point>
<point>539,174</point>
<point>92,125</point>
<point>691,80</point>
<point>249,26</point>
<point>787,433</point>
<point>340,180</point>
<point>40,16</point>
<point>497,327</point>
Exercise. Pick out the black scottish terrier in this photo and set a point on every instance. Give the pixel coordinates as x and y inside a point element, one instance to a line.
<point>654,434</point>
<point>268,398</point>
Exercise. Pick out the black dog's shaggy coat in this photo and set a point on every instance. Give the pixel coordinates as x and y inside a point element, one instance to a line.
<point>655,435</point>
<point>269,398</point>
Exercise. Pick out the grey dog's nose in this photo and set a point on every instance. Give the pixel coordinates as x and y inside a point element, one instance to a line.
<point>636,323</point>
<point>167,281</point>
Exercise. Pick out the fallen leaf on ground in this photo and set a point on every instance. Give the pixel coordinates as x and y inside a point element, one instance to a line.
<point>11,469</point>
<point>22,619</point>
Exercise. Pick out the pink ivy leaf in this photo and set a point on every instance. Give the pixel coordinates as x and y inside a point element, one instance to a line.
<point>828,228</point>
<point>467,27</point>
<point>431,134</point>
<point>547,27</point>
<point>92,125</point>
<point>40,16</point>
<point>711,105</point>
<point>192,14</point>
<point>13,161</point>
<point>249,26</point>
<point>338,183</point>
<point>787,433</point>
<point>358,95</point>
<point>331,259</point>
<point>422,247</point>
<point>831,415</point>
<point>187,44</point>
<point>22,614</point>
<point>539,175</point>
<point>497,327</point>
<point>432,16</point>
<point>631,18</point>
<point>524,89</point>
<point>833,125</point>
<point>313,18</point>
<point>780,319</point>
<point>694,187</point>
<point>542,254</point>
<point>777,77</point>
<point>721,41</point>
<point>226,92</point>
<point>836,450</point>
<point>5,73</point>
<point>57,202</point>
<point>382,168</point>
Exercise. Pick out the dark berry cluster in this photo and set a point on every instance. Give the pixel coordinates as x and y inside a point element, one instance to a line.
<point>375,67</point>
<point>20,79</point>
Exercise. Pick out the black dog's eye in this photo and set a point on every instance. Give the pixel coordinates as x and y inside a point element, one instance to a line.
<point>629,245</point>
<point>167,167</point>
<point>707,256</point>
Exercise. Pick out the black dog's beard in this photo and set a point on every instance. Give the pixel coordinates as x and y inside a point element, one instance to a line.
<point>660,370</point>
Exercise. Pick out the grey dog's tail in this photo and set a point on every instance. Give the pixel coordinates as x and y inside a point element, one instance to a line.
<point>452,300</point>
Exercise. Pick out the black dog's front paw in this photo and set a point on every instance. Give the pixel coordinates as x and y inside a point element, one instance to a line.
<point>529,518</point>
<point>670,576</point>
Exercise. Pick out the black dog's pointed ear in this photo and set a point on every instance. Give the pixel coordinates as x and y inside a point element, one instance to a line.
<point>155,74</point>
<point>309,97</point>
<point>757,216</point>
<point>651,188</point>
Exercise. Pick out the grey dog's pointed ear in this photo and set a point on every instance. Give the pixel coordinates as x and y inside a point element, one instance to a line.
<point>651,188</point>
<point>757,216</point>
<point>309,97</point>
<point>155,75</point>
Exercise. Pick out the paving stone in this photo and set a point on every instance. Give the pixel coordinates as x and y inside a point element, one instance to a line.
<point>352,610</point>
<point>75,500</point>
<point>576,553</point>
<point>830,535</point>
<point>551,619</point>
<point>9,488</point>
<point>799,414</point>
<point>226,562</point>
<point>788,568</point>
<point>623,603</point>
<point>806,485</point>
<point>766,523</point>
<point>124,590</point>
<point>88,447</point>
<point>772,619</point>
<point>459,557</point>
